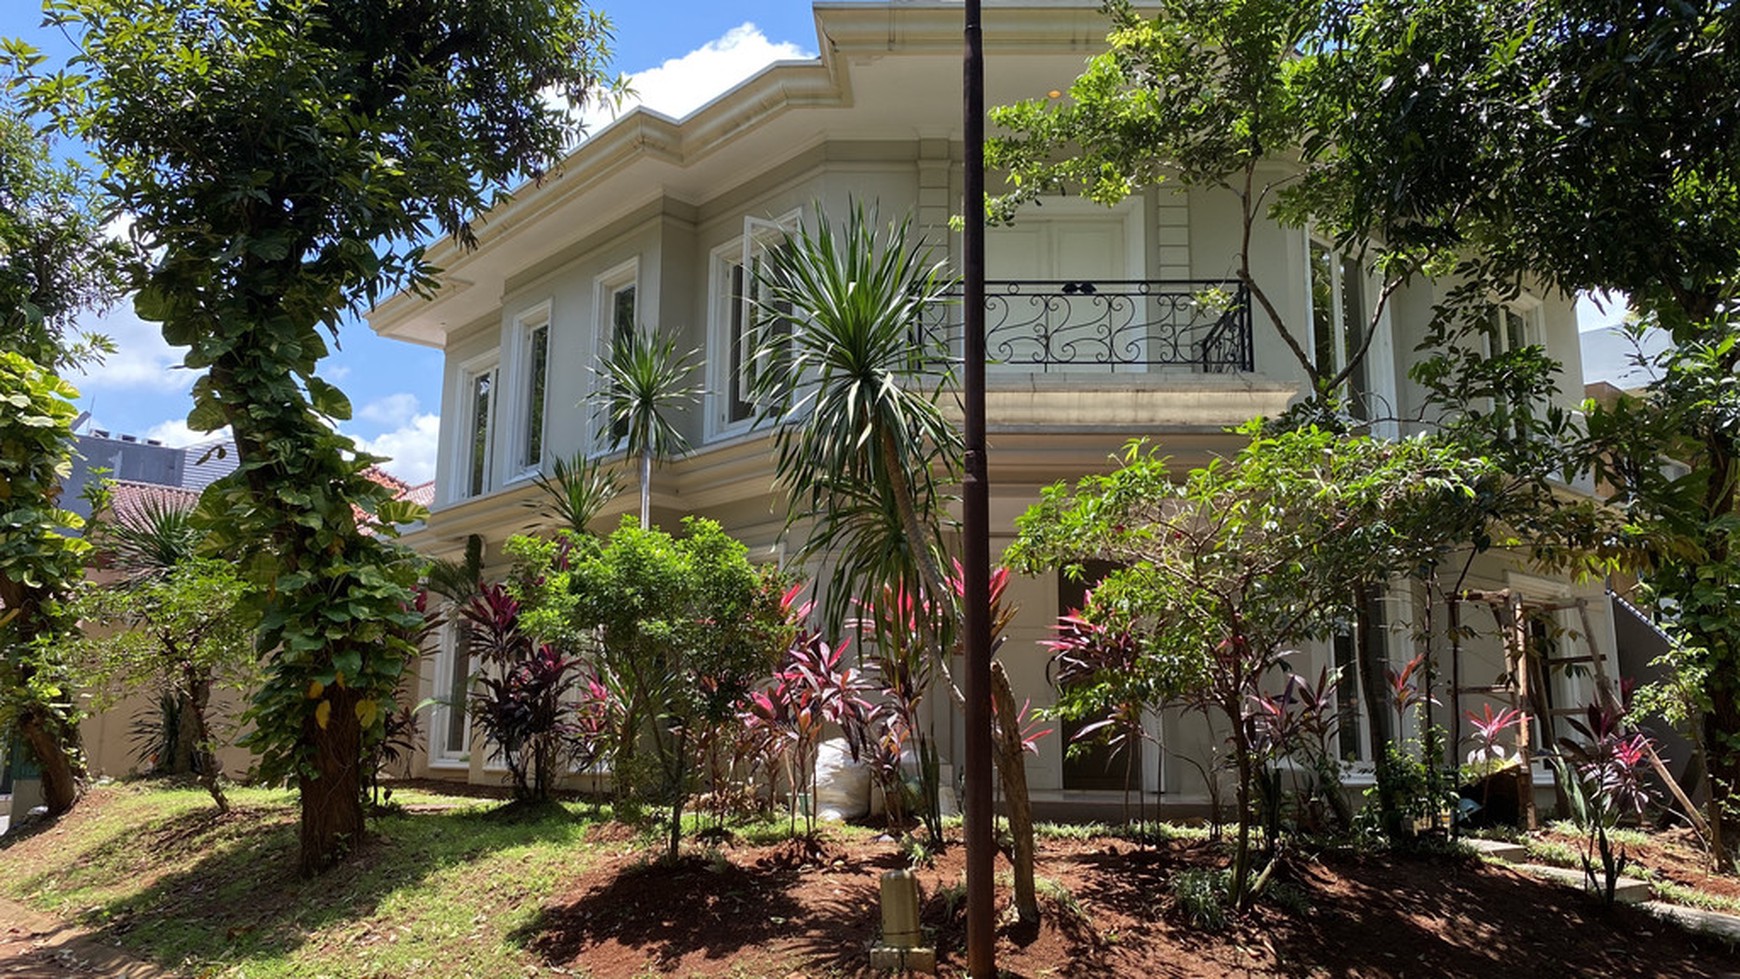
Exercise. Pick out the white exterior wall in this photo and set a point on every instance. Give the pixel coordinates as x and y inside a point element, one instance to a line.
<point>862,125</point>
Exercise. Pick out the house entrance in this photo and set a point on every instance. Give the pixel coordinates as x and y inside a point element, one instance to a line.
<point>1093,764</point>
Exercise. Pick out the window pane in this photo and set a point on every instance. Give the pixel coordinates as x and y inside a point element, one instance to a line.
<point>1353,322</point>
<point>739,407</point>
<point>1347,726</point>
<point>622,313</point>
<point>1516,330</point>
<point>539,351</point>
<point>458,675</point>
<point>1322,307</point>
<point>480,397</point>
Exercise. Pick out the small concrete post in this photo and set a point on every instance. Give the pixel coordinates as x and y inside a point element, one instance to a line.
<point>901,933</point>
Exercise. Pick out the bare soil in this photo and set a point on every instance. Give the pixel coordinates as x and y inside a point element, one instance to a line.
<point>37,946</point>
<point>795,909</point>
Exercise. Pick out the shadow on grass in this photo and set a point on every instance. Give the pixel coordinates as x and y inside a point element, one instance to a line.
<point>232,893</point>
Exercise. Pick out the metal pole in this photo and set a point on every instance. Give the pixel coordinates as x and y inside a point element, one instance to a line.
<point>976,529</point>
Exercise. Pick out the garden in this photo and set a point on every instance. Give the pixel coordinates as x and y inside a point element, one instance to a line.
<point>672,720</point>
<point>460,885</point>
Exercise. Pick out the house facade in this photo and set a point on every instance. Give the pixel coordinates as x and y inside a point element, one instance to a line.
<point>1106,325</point>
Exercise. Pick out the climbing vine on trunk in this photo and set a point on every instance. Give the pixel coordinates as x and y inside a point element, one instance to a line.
<point>284,163</point>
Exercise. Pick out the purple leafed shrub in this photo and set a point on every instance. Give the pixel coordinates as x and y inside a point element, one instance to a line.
<point>1603,779</point>
<point>812,689</point>
<point>519,700</point>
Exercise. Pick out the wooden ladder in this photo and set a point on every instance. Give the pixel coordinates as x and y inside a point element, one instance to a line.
<point>1512,612</point>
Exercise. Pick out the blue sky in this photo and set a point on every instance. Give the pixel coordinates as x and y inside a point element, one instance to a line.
<point>680,52</point>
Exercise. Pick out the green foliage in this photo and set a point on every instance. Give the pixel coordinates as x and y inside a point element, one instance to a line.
<point>1405,780</point>
<point>1223,573</point>
<point>284,164</point>
<point>1202,897</point>
<point>54,257</point>
<point>175,622</point>
<point>645,382</point>
<point>861,442</point>
<point>575,491</point>
<point>676,629</point>
<point>39,564</point>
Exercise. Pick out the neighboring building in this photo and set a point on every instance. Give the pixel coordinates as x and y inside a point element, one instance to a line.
<point>128,459</point>
<point>656,223</point>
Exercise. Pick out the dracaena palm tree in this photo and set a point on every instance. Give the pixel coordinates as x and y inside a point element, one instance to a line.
<point>151,539</point>
<point>861,442</point>
<point>645,382</point>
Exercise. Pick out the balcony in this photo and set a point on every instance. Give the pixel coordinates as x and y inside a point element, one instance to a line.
<point>1115,326</point>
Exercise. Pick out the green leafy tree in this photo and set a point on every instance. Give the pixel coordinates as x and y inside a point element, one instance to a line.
<point>39,565</point>
<point>645,382</point>
<point>285,163</point>
<point>181,633</point>
<point>684,627</point>
<point>1225,572</point>
<point>1585,146</point>
<point>1238,126</point>
<point>672,630</point>
<point>54,262</point>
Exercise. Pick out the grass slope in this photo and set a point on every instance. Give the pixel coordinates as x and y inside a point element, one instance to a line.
<point>435,892</point>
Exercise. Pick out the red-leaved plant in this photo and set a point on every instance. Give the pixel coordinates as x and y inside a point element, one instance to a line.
<point>1603,779</point>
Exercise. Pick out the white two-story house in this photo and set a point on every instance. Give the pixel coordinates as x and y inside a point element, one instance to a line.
<point>1096,325</point>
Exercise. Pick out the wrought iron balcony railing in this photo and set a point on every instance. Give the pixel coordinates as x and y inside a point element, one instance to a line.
<point>1117,326</point>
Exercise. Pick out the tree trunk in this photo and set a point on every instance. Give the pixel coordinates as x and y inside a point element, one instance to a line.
<point>1014,771</point>
<point>1373,662</point>
<point>184,747</point>
<point>1241,870</point>
<point>646,489</point>
<point>60,777</point>
<point>332,810</point>
<point>205,753</point>
<point>1722,763</point>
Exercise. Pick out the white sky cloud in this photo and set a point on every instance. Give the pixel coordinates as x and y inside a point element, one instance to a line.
<point>409,447</point>
<point>176,433</point>
<point>392,411</point>
<point>682,85</point>
<point>142,360</point>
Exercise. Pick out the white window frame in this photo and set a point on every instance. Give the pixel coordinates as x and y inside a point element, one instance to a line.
<point>725,380</point>
<point>605,288</point>
<point>1380,358</point>
<point>487,365</point>
<point>1532,312</point>
<point>441,755</point>
<point>525,325</point>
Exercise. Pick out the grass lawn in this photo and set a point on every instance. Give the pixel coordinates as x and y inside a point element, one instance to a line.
<point>435,892</point>
<point>465,887</point>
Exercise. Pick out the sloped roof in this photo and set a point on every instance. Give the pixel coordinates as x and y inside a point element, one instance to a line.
<point>131,498</point>
<point>423,494</point>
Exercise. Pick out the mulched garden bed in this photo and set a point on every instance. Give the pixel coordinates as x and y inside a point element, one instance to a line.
<point>792,909</point>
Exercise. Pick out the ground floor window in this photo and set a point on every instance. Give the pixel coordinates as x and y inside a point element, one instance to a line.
<point>450,732</point>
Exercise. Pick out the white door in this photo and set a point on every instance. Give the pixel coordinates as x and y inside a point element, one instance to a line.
<point>1058,297</point>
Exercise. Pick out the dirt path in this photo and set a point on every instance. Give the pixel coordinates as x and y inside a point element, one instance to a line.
<point>42,947</point>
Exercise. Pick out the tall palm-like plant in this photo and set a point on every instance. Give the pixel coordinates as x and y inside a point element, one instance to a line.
<point>575,492</point>
<point>150,540</point>
<point>861,440</point>
<point>645,381</point>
